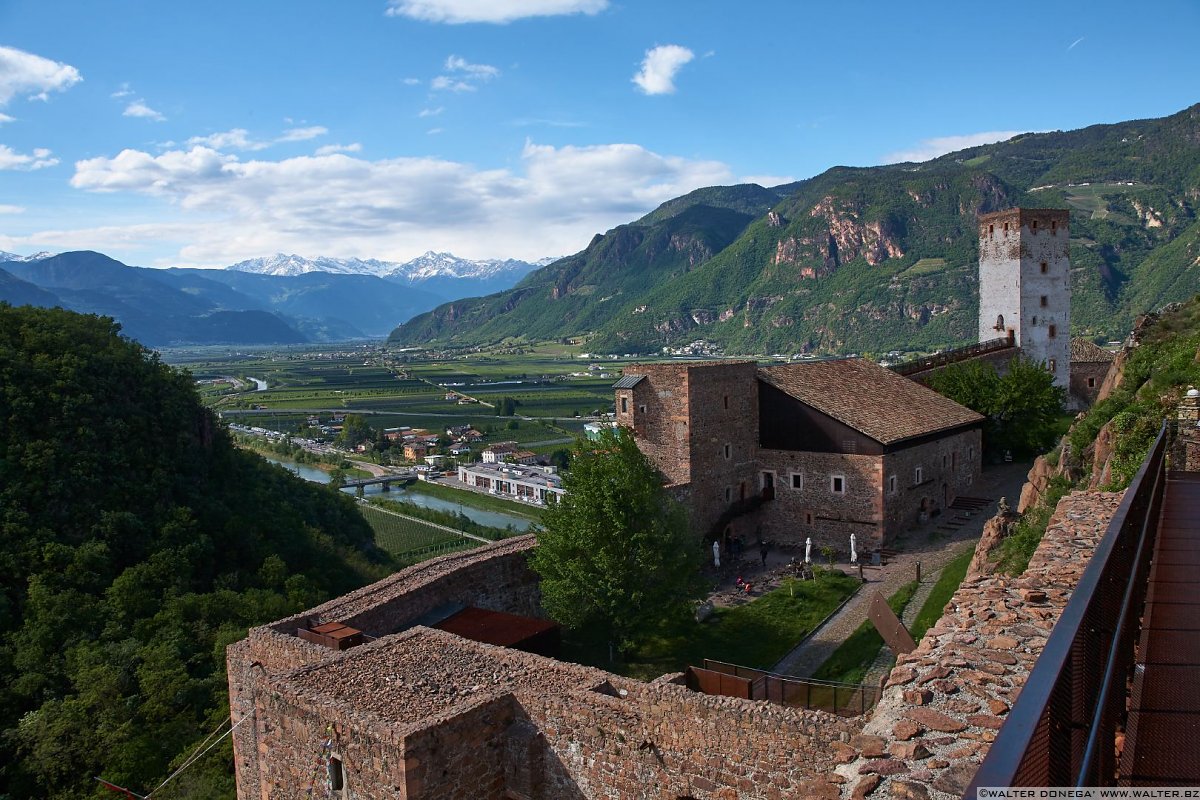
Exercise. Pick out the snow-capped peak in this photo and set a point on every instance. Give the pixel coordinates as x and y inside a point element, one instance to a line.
<point>14,257</point>
<point>281,264</point>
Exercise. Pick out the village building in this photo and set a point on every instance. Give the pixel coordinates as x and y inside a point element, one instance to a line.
<point>529,484</point>
<point>415,451</point>
<point>1089,368</point>
<point>818,450</point>
<point>498,452</point>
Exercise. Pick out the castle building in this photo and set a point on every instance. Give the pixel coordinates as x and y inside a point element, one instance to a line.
<point>818,450</point>
<point>1025,284</point>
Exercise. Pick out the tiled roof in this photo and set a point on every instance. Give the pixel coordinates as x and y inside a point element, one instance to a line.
<point>628,382</point>
<point>1084,351</point>
<point>869,398</point>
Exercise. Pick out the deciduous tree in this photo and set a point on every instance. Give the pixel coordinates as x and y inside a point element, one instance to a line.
<point>616,552</point>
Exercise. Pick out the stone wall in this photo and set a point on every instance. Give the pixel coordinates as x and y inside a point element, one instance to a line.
<point>949,467</point>
<point>815,510</point>
<point>944,702</point>
<point>1087,377</point>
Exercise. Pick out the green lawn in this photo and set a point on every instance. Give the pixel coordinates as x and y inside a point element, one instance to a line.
<point>756,634</point>
<point>850,662</point>
<point>411,540</point>
<point>947,584</point>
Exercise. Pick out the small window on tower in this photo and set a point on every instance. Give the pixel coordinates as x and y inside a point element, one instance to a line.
<point>728,452</point>
<point>642,408</point>
<point>1045,301</point>
<point>1052,365</point>
<point>1053,226</point>
<point>1091,383</point>
<point>891,484</point>
<point>808,518</point>
<point>837,484</point>
<point>624,405</point>
<point>726,402</point>
<point>1034,226</point>
<point>991,231</point>
<point>797,480</point>
<point>1052,331</point>
<point>1006,228</point>
<point>1045,267</point>
<point>1033,321</point>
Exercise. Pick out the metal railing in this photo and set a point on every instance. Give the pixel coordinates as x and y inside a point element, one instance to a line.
<point>952,356</point>
<point>1062,729</point>
<point>846,699</point>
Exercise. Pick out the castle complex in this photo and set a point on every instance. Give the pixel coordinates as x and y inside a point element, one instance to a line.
<point>429,684</point>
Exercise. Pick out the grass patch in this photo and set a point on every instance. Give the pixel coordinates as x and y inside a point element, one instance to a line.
<point>756,634</point>
<point>947,584</point>
<point>1016,550</point>
<point>850,662</point>
<point>926,266</point>
<point>484,502</point>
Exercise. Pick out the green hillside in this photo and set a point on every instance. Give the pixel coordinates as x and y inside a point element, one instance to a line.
<point>865,259</point>
<point>136,543</point>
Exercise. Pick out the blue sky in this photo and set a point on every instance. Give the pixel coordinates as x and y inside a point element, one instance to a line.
<point>200,134</point>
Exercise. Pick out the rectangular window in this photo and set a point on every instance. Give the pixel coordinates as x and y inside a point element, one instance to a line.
<point>728,494</point>
<point>728,451</point>
<point>1006,229</point>
<point>891,484</point>
<point>837,484</point>
<point>1045,301</point>
<point>1053,226</point>
<point>991,231</point>
<point>1053,331</point>
<point>918,476</point>
<point>1033,225</point>
<point>797,480</point>
<point>642,408</point>
<point>808,518</point>
<point>726,402</point>
<point>943,460</point>
<point>624,405</point>
<point>1091,383</point>
<point>1052,365</point>
<point>1045,267</point>
<point>971,452</point>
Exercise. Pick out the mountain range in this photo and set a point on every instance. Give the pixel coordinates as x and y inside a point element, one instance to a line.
<point>276,300</point>
<point>864,259</point>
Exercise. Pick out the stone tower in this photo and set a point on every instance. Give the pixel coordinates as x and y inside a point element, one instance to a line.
<point>1025,284</point>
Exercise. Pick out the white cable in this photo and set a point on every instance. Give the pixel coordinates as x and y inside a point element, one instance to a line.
<point>195,758</point>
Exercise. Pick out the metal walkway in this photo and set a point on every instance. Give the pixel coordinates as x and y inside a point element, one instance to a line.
<point>1162,744</point>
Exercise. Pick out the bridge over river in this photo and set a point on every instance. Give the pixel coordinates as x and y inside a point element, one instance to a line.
<point>401,477</point>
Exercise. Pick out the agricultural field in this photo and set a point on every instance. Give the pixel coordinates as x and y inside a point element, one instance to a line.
<point>550,390</point>
<point>411,540</point>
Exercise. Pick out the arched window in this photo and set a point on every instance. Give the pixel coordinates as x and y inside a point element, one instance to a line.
<point>999,322</point>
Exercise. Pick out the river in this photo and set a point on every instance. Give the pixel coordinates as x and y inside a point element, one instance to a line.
<point>495,519</point>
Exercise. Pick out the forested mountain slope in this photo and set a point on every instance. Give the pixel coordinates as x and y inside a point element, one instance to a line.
<point>867,259</point>
<point>135,543</point>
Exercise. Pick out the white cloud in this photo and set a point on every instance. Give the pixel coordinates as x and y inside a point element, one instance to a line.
<point>239,138</point>
<point>553,202</point>
<point>767,180</point>
<point>412,81</point>
<point>330,149</point>
<point>940,145</point>
<point>302,134</point>
<point>10,209</point>
<point>6,118</point>
<point>138,108</point>
<point>463,76</point>
<point>494,11</point>
<point>11,159</point>
<point>430,112</point>
<point>124,90</point>
<point>659,67</point>
<point>24,72</point>
<point>434,131</point>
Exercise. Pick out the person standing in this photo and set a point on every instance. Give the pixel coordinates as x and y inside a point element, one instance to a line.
<point>763,547</point>
<point>716,554</point>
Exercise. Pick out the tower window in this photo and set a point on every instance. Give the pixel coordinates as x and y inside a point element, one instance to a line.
<point>797,480</point>
<point>918,476</point>
<point>1052,331</point>
<point>1052,365</point>
<point>991,231</point>
<point>891,484</point>
<point>1091,383</point>
<point>837,484</point>
<point>1033,321</point>
<point>726,402</point>
<point>1033,225</point>
<point>1045,267</point>
<point>1045,301</point>
<point>1053,226</point>
<point>808,518</point>
<point>728,451</point>
<point>642,408</point>
<point>999,322</point>
<point>1006,228</point>
<point>624,405</point>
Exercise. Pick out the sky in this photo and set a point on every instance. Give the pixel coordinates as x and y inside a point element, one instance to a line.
<point>201,134</point>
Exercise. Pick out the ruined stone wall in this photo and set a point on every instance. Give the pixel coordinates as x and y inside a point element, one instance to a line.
<point>662,740</point>
<point>814,510</point>
<point>944,702</point>
<point>949,467</point>
<point>463,755</point>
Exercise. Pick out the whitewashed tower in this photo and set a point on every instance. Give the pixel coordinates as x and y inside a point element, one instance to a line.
<point>1025,284</point>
